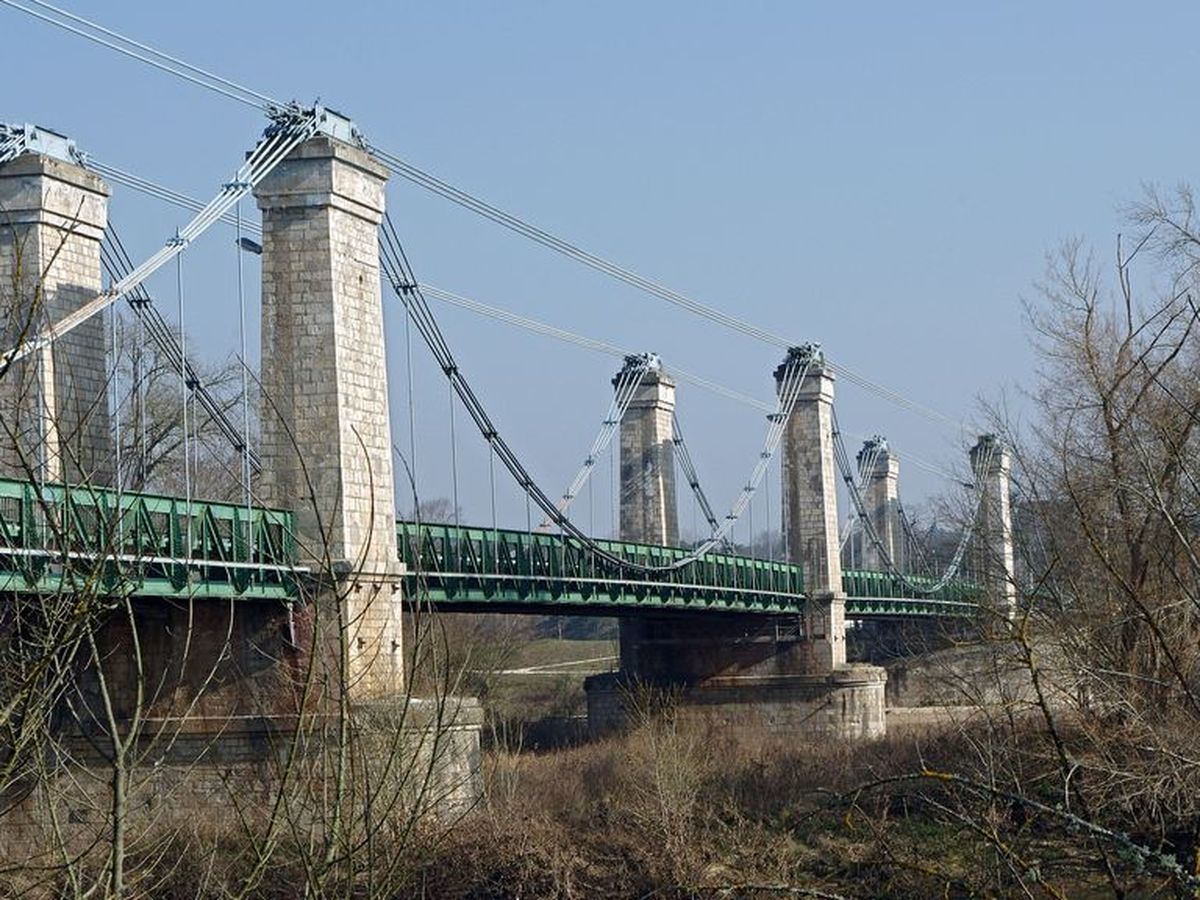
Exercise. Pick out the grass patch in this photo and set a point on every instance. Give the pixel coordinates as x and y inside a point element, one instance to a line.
<point>548,651</point>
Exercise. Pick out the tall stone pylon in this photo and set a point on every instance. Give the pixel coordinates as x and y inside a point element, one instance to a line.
<point>649,514</point>
<point>326,434</point>
<point>810,512</point>
<point>879,470</point>
<point>991,464</point>
<point>53,214</point>
<point>648,510</point>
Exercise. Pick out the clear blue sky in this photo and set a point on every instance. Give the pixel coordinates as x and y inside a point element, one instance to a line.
<point>884,178</point>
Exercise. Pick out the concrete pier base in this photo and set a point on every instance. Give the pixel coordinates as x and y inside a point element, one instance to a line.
<point>846,704</point>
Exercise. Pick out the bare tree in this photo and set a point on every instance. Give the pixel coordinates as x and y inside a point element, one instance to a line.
<point>115,709</point>
<point>150,419</point>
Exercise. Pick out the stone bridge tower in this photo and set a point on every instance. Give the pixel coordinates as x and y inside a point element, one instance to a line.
<point>649,514</point>
<point>882,498</point>
<point>810,513</point>
<point>648,510</point>
<point>326,435</point>
<point>991,462</point>
<point>53,214</point>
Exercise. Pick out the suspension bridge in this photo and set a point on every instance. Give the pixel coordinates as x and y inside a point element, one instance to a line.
<point>313,483</point>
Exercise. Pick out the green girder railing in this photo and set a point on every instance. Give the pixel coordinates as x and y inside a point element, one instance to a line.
<point>870,593</point>
<point>481,568</point>
<point>460,566</point>
<point>57,538</point>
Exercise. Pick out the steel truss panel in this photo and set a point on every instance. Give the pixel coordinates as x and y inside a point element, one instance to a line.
<point>450,565</point>
<point>56,538</point>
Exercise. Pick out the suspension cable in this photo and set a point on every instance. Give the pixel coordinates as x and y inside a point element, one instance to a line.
<point>395,265</point>
<point>412,408</point>
<point>684,457</point>
<point>492,481</point>
<point>184,390</point>
<point>148,55</point>
<point>628,380</point>
<point>182,200</point>
<point>421,178</point>
<point>200,77</point>
<point>176,198</point>
<point>537,327</point>
<point>116,262</point>
<point>160,192</point>
<point>453,458</point>
<point>916,546</point>
<point>866,464</point>
<point>140,422</point>
<point>245,373</point>
<point>951,571</point>
<point>767,502</point>
<point>116,405</point>
<point>173,65</point>
<point>613,498</point>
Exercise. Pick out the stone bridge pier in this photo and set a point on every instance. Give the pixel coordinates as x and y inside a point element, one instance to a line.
<point>326,433</point>
<point>779,677</point>
<point>257,668</point>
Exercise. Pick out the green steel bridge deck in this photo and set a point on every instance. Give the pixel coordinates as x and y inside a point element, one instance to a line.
<point>499,569</point>
<point>66,538</point>
<point>59,538</point>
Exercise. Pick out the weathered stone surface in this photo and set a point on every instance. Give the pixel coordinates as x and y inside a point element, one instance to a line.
<point>206,771</point>
<point>846,704</point>
<point>649,511</point>
<point>52,219</point>
<point>648,506</point>
<point>810,513</point>
<point>326,433</point>
<point>982,675</point>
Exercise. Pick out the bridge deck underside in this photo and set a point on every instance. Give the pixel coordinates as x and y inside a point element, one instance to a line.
<point>55,538</point>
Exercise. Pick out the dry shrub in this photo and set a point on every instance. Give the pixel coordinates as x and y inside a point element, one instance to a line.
<point>672,810</point>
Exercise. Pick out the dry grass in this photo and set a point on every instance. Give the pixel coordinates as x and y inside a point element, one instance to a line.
<point>668,811</point>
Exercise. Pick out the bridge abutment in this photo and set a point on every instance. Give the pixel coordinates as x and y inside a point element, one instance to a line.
<point>52,219</point>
